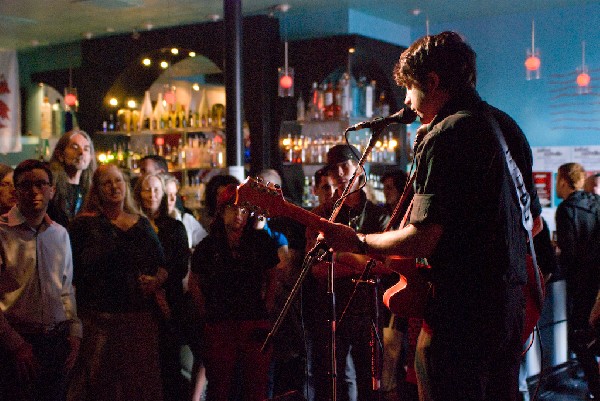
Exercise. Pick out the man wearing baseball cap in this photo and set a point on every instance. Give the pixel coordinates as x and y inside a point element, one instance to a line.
<point>353,332</point>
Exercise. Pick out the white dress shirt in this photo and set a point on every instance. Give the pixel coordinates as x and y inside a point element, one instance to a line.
<point>41,263</point>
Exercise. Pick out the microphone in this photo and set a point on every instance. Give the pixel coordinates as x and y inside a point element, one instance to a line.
<point>405,116</point>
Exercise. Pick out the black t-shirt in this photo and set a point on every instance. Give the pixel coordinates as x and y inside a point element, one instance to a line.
<point>463,184</point>
<point>233,285</point>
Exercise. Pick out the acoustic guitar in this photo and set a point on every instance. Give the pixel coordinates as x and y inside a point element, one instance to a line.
<point>407,297</point>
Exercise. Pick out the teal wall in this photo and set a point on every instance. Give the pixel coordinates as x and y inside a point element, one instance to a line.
<point>549,110</point>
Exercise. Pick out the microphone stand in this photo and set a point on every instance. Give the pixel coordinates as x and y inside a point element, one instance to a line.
<point>317,254</point>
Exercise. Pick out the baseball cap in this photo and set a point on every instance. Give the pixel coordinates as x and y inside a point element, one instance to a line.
<point>341,153</point>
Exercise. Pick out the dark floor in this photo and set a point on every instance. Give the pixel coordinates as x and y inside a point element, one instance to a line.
<point>570,387</point>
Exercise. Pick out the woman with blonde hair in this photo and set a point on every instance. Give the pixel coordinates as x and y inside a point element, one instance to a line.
<point>118,269</point>
<point>151,196</point>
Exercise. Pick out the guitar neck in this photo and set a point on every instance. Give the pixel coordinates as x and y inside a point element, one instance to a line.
<point>302,216</point>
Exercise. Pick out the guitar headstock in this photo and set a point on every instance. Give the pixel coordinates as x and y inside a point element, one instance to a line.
<point>261,198</point>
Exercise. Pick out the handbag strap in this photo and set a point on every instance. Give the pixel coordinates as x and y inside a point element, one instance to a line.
<point>524,202</point>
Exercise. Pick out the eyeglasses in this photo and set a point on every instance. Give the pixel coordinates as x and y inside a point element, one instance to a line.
<point>236,209</point>
<point>28,185</point>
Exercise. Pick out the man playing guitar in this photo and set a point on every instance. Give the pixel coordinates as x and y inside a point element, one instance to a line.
<point>466,220</point>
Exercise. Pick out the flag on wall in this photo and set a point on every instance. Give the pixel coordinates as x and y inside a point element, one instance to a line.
<point>10,108</point>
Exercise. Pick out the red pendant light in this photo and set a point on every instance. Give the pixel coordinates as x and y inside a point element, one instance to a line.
<point>533,62</point>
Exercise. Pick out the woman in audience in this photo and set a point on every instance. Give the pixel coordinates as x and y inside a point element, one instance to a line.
<point>118,269</point>
<point>7,189</point>
<point>151,196</point>
<point>191,324</point>
<point>194,229</point>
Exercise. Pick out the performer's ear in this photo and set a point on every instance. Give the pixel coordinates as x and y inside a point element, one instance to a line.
<point>432,83</point>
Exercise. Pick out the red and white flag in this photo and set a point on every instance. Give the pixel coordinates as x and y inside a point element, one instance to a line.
<point>10,107</point>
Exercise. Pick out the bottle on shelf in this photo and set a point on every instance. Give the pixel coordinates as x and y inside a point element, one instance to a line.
<point>46,119</point>
<point>204,111</point>
<point>157,114</point>
<point>145,113</point>
<point>314,113</point>
<point>329,105</point>
<point>300,110</point>
<point>58,119</point>
<point>345,96</point>
<point>369,99</point>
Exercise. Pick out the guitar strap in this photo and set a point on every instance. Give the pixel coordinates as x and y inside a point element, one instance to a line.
<point>524,201</point>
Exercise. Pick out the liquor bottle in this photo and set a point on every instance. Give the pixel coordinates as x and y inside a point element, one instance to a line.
<point>358,97</point>
<point>369,98</point>
<point>300,110</point>
<point>313,103</point>
<point>157,114</point>
<point>204,111</point>
<point>145,113</point>
<point>345,96</point>
<point>337,100</point>
<point>382,108</point>
<point>58,119</point>
<point>46,119</point>
<point>329,105</point>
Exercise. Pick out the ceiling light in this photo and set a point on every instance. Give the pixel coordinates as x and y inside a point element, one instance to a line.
<point>147,62</point>
<point>175,51</point>
<point>88,35</point>
<point>164,65</point>
<point>148,26</point>
<point>282,8</point>
<point>416,11</point>
<point>196,87</point>
<point>192,54</point>
<point>113,102</point>
<point>213,17</point>
<point>131,104</point>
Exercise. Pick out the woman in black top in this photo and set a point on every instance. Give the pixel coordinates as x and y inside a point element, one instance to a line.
<point>118,267</point>
<point>151,196</point>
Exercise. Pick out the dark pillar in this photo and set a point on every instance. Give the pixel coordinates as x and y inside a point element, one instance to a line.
<point>233,86</point>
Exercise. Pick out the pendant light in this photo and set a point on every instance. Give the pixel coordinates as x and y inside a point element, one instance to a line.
<point>583,78</point>
<point>532,63</point>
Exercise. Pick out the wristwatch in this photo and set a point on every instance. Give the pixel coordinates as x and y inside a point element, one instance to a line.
<point>363,247</point>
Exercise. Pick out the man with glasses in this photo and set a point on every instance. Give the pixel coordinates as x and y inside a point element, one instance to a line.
<point>39,329</point>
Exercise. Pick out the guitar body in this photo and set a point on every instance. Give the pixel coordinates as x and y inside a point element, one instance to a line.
<point>408,296</point>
